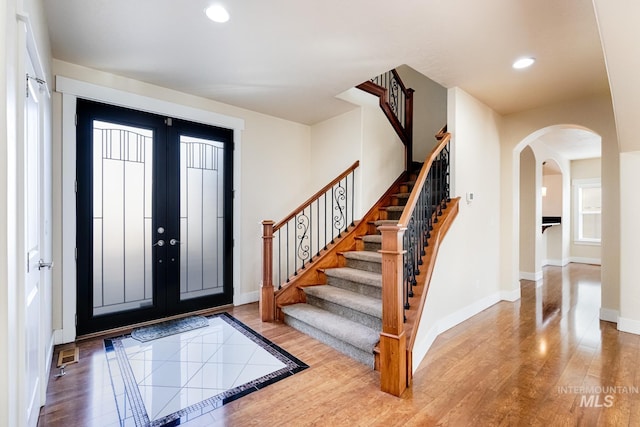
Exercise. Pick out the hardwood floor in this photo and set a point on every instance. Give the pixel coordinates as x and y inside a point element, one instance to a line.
<point>532,362</point>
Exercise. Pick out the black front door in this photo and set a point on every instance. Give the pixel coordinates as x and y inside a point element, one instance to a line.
<point>154,216</point>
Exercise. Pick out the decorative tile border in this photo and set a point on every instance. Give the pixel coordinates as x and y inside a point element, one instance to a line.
<point>131,409</point>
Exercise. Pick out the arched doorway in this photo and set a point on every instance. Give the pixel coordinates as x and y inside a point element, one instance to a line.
<point>549,159</point>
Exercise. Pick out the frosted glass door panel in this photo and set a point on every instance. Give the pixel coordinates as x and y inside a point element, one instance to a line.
<point>201,217</point>
<point>122,202</point>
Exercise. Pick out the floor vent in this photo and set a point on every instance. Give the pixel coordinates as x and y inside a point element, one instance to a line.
<point>67,356</point>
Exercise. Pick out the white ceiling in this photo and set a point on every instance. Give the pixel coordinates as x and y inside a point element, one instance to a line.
<point>290,58</point>
<point>573,144</point>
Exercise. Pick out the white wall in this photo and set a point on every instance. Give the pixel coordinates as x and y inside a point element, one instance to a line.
<point>429,110</point>
<point>552,201</point>
<point>377,146</point>
<point>466,276</point>
<point>629,316</point>
<point>13,40</point>
<point>336,144</point>
<point>530,268</point>
<point>272,174</point>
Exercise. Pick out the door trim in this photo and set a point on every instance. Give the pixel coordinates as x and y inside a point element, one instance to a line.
<point>72,89</point>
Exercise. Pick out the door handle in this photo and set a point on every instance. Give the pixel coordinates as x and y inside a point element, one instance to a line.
<point>174,242</point>
<point>159,243</point>
<point>42,264</point>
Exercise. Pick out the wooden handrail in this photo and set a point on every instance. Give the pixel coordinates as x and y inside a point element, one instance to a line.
<point>422,177</point>
<point>306,254</point>
<point>311,199</point>
<point>400,82</point>
<point>395,359</point>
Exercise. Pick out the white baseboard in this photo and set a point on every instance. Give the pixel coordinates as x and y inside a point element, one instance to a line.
<point>49,355</point>
<point>59,337</point>
<point>629,325</point>
<point>555,262</point>
<point>420,348</point>
<point>246,298</point>
<point>583,260</point>
<point>609,315</point>
<point>511,296</point>
<point>534,277</point>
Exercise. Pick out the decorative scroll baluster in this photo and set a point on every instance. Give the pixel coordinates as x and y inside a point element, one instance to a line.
<point>307,231</point>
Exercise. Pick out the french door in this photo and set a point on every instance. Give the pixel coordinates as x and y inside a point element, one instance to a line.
<point>154,216</point>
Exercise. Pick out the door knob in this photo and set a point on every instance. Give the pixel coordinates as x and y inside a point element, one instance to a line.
<point>42,264</point>
<point>159,243</point>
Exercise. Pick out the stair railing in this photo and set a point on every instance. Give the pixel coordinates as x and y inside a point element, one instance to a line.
<point>294,242</point>
<point>396,101</point>
<point>403,246</point>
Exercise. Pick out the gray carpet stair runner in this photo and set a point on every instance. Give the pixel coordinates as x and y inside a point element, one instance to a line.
<point>346,313</point>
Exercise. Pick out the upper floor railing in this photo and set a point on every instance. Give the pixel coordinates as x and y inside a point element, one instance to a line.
<point>396,101</point>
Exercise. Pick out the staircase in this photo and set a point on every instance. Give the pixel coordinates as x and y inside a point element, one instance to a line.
<point>362,288</point>
<point>346,312</point>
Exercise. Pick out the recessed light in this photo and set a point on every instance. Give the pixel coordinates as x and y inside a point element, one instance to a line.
<point>523,63</point>
<point>217,13</point>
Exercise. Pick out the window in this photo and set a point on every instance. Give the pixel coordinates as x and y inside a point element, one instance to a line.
<point>588,211</point>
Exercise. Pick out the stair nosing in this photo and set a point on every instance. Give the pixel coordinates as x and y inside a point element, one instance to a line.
<point>371,279</point>
<point>368,256</point>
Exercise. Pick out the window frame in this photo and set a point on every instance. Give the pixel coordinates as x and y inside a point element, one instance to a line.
<point>578,185</point>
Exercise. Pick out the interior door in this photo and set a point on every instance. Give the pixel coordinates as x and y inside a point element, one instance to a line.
<point>147,188</point>
<point>34,350</point>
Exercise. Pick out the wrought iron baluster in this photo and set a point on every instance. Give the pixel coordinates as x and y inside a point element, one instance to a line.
<point>279,262</point>
<point>318,226</point>
<point>287,245</point>
<point>353,201</point>
<point>302,249</point>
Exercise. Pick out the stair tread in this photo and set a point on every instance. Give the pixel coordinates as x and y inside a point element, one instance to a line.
<point>369,256</point>
<point>402,195</point>
<point>373,238</point>
<point>358,335</point>
<point>394,208</point>
<point>353,300</point>
<point>355,275</point>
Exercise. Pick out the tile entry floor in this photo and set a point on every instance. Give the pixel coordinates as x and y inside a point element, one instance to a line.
<point>179,377</point>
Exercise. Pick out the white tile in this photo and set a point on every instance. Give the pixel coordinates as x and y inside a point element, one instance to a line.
<point>263,357</point>
<point>253,372</point>
<point>185,369</point>
<point>171,374</point>
<point>233,354</point>
<point>216,376</point>
<point>198,351</point>
<point>156,399</point>
<point>191,396</point>
<point>159,350</point>
<point>238,338</point>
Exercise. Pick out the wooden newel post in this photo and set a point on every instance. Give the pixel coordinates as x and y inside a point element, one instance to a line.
<point>267,299</point>
<point>408,127</point>
<point>393,342</point>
